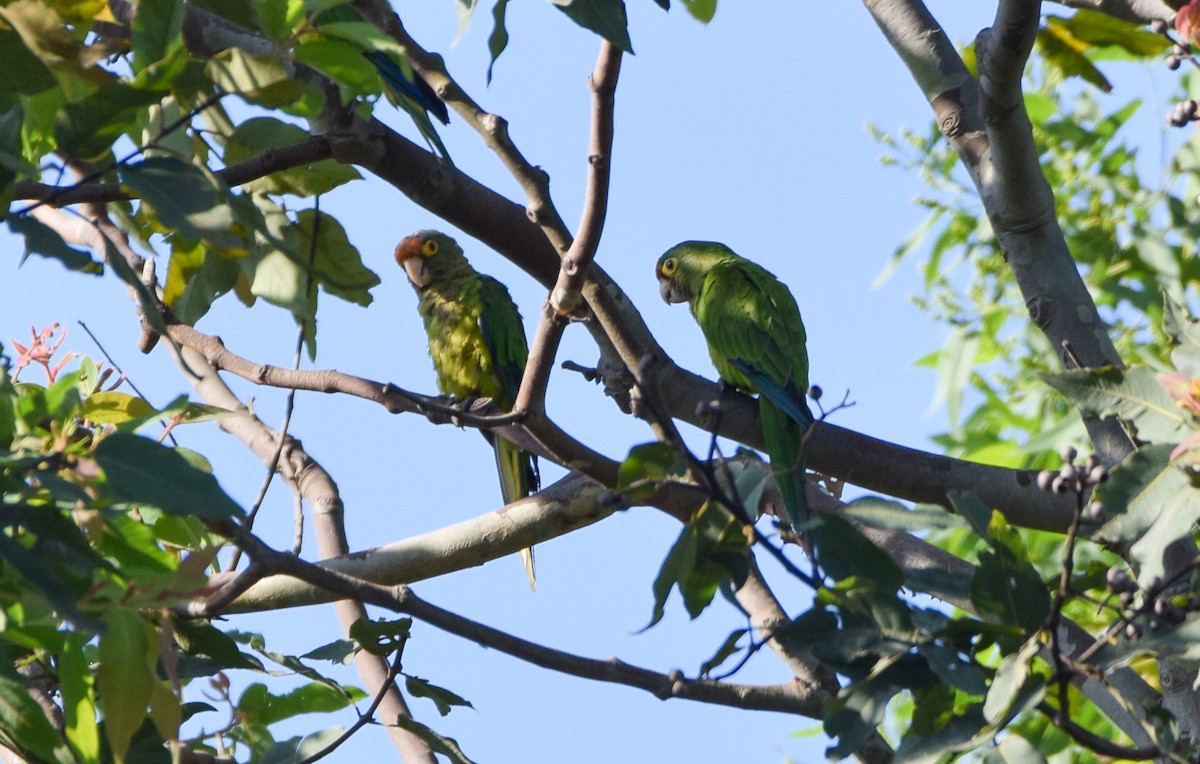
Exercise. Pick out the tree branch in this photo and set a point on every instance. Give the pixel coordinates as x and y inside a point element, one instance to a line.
<point>787,698</point>
<point>988,127</point>
<point>1137,11</point>
<point>313,150</point>
<point>572,503</point>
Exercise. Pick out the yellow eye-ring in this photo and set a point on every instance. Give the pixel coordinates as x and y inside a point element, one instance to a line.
<point>669,266</point>
<point>430,247</point>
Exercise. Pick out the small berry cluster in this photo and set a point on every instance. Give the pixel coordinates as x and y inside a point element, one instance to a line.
<point>1183,113</point>
<point>1076,478</point>
<point>1160,609</point>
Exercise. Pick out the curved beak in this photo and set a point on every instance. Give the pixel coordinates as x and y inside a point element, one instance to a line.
<point>668,294</point>
<point>408,255</point>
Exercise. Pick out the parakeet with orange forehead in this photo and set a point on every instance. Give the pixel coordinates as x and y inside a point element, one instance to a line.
<point>757,342</point>
<point>477,343</point>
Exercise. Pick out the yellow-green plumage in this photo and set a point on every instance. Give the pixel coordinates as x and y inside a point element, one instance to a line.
<point>477,344</point>
<point>757,342</point>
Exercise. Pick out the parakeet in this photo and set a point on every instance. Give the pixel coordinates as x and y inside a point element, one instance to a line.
<point>757,342</point>
<point>409,91</point>
<point>477,343</point>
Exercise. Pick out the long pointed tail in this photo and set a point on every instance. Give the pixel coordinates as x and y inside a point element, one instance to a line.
<point>518,478</point>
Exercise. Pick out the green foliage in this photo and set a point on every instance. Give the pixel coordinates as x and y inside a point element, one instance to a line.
<point>102,534</point>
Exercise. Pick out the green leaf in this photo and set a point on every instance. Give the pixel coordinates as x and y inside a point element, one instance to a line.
<point>887,514</point>
<point>337,266</point>
<point>200,638</point>
<point>301,748</point>
<point>1006,584</point>
<point>187,199</point>
<point>446,746</point>
<point>60,584</point>
<point>604,17</point>
<point>1063,51</point>
<point>341,60</point>
<point>955,672</point>
<point>25,721</point>
<point>701,10</point>
<point>112,407</point>
<point>678,561</point>
<point>76,684</point>
<point>1133,394</point>
<point>858,711</point>
<point>155,31</point>
<point>196,277</point>
<point>20,70</point>
<point>381,637</point>
<point>1176,520</point>
<point>1138,489</point>
<point>140,471</point>
<point>844,552</point>
<point>124,677</point>
<point>260,706</point>
<point>42,240</point>
<point>649,462</point>
<point>498,39</point>
<point>441,697</point>
<point>1009,679</point>
<point>264,80</point>
<point>1180,642</point>
<point>1100,29</point>
<point>87,128</point>
<point>727,648</point>
<point>260,134</point>
<point>339,651</point>
<point>1013,749</point>
<point>1183,331</point>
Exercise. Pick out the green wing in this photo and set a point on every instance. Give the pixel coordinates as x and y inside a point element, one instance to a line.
<point>753,329</point>
<point>757,342</point>
<point>504,334</point>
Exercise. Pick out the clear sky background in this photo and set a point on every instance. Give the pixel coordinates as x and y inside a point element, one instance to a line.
<point>751,131</point>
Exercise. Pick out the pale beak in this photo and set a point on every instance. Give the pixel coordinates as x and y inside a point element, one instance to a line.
<point>668,294</point>
<point>415,268</point>
<point>408,254</point>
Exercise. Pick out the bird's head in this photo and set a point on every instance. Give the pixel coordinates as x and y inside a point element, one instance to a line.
<point>428,255</point>
<point>682,268</point>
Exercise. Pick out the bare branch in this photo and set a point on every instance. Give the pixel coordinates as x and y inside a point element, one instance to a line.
<point>987,124</point>
<point>786,698</point>
<point>571,503</point>
<point>1137,11</point>
<point>270,161</point>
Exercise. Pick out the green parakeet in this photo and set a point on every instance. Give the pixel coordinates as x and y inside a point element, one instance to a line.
<point>757,342</point>
<point>477,344</point>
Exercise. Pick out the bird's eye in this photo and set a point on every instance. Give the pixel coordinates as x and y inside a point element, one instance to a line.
<point>669,266</point>
<point>430,247</point>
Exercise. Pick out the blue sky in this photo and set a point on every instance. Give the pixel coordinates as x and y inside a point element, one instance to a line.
<point>751,131</point>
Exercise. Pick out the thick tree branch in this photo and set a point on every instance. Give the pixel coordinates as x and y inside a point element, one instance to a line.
<point>988,127</point>
<point>1137,11</point>
<point>534,181</point>
<point>787,698</point>
<point>571,503</point>
<point>313,150</point>
<point>565,299</point>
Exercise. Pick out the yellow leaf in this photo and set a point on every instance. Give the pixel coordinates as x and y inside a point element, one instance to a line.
<point>115,408</point>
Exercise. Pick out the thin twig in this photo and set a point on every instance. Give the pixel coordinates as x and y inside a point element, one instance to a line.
<point>183,120</point>
<point>124,376</point>
<point>786,698</point>
<point>367,716</point>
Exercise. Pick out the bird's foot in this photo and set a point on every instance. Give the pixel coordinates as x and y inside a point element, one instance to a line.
<point>463,406</point>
